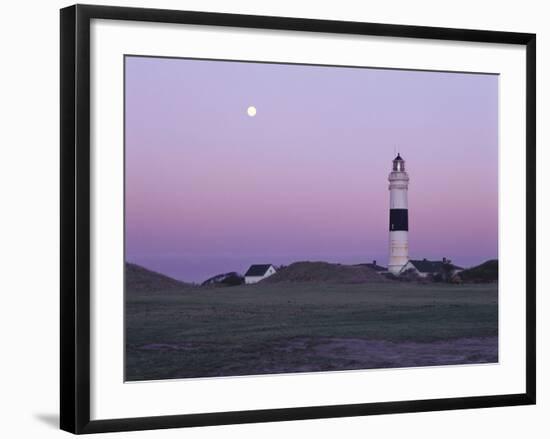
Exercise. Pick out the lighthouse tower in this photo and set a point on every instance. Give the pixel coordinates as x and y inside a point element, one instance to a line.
<point>399,216</point>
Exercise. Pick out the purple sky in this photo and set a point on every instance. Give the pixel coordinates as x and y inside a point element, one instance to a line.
<point>210,189</point>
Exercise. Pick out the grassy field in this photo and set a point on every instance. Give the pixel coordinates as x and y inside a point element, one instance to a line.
<point>277,328</point>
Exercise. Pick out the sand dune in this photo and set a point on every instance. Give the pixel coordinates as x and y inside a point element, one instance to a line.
<point>325,272</point>
<point>139,280</point>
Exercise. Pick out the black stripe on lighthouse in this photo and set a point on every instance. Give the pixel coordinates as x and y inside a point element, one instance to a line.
<point>399,219</point>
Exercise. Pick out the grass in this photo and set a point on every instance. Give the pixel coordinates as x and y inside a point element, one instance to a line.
<point>268,328</point>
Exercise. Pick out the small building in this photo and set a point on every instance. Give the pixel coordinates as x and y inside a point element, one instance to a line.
<point>225,279</point>
<point>374,266</point>
<point>425,268</point>
<point>258,272</point>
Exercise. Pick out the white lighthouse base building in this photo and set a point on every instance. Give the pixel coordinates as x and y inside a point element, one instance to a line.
<point>399,251</point>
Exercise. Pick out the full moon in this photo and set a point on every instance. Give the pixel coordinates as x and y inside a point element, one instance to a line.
<point>251,111</point>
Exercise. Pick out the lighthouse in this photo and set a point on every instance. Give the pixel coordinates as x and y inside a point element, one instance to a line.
<point>399,216</point>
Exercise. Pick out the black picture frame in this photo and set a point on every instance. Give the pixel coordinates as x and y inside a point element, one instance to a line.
<point>75,217</point>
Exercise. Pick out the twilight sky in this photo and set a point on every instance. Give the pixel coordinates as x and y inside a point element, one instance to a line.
<point>210,189</point>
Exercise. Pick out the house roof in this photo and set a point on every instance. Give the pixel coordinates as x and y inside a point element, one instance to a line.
<point>220,278</point>
<point>425,266</point>
<point>374,266</point>
<point>257,270</point>
<point>377,267</point>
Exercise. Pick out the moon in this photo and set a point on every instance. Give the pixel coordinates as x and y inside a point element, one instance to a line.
<point>251,111</point>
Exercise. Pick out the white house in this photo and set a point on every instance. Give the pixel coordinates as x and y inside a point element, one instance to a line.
<point>425,268</point>
<point>258,272</point>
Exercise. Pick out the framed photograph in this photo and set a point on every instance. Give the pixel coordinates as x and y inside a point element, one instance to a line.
<point>268,218</point>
